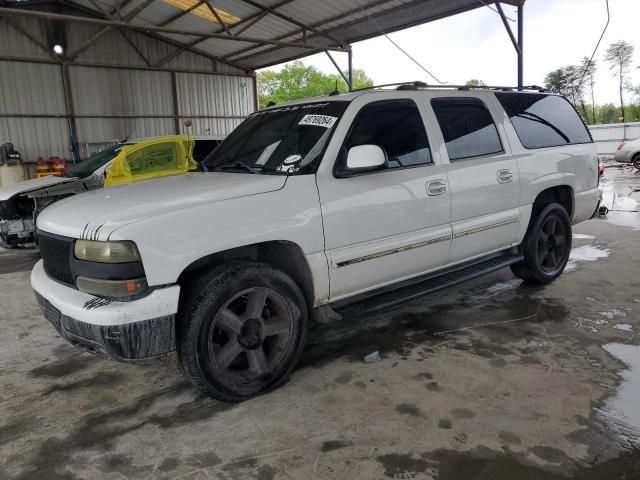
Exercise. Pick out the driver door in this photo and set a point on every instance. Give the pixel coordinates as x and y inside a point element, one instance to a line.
<point>389,224</point>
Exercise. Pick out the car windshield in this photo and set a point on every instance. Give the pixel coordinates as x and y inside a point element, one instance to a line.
<point>89,165</point>
<point>288,140</point>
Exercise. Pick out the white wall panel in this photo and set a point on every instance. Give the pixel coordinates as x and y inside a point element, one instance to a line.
<point>100,130</point>
<point>31,88</point>
<point>211,126</point>
<point>13,43</point>
<point>33,137</point>
<point>209,95</point>
<point>119,92</point>
<point>608,137</point>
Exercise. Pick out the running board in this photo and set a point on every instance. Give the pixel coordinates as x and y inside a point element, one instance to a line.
<point>414,288</point>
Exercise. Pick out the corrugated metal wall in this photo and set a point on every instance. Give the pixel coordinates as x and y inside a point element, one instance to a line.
<point>608,137</point>
<point>109,104</point>
<point>30,88</point>
<point>232,97</point>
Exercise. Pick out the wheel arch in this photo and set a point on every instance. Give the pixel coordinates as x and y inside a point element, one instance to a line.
<point>561,194</point>
<point>283,254</point>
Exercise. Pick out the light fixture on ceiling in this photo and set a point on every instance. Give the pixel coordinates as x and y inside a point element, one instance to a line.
<point>58,49</point>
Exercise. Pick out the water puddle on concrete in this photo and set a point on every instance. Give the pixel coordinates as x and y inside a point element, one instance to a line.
<point>497,288</point>
<point>585,253</point>
<point>625,327</point>
<point>624,219</point>
<point>618,194</point>
<point>621,411</point>
<point>613,313</point>
<point>621,201</point>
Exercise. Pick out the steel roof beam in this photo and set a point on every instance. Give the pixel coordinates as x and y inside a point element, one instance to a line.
<point>335,64</point>
<point>314,25</point>
<point>181,47</point>
<point>124,34</point>
<point>33,39</point>
<point>153,28</point>
<point>253,21</point>
<point>134,46</point>
<point>217,15</point>
<point>292,20</point>
<point>96,36</point>
<point>46,61</point>
<point>246,23</point>
<point>180,14</point>
<point>507,27</point>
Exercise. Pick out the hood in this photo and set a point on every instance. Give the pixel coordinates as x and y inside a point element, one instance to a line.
<point>96,214</point>
<point>30,185</point>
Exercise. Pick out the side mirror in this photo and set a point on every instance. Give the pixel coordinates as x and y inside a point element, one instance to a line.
<point>365,158</point>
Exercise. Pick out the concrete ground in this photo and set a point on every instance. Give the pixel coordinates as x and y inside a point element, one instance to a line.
<point>492,380</point>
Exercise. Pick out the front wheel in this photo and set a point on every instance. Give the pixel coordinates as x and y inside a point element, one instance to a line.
<point>636,161</point>
<point>546,246</point>
<point>242,330</point>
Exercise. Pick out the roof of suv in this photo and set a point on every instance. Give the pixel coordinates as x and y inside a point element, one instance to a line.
<point>403,87</point>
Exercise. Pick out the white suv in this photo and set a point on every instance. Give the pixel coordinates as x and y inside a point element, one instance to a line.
<point>316,210</point>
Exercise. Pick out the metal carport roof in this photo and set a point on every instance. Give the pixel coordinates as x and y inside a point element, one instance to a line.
<point>249,34</point>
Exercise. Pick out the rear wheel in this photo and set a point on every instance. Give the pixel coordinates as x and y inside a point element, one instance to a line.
<point>636,161</point>
<point>546,246</point>
<point>242,330</point>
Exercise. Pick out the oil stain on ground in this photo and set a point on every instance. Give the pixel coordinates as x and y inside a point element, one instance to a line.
<point>331,445</point>
<point>408,409</point>
<point>484,464</point>
<point>100,431</point>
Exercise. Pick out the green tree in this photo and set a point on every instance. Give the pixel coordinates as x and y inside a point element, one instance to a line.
<point>297,80</point>
<point>619,56</point>
<point>474,82</point>
<point>566,81</point>
<point>588,71</point>
<point>606,113</point>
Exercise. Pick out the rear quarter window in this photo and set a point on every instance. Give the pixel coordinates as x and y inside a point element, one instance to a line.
<point>543,120</point>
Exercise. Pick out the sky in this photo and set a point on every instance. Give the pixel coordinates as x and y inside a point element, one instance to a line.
<point>475,44</point>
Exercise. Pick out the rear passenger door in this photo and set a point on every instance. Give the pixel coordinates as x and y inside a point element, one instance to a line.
<point>483,176</point>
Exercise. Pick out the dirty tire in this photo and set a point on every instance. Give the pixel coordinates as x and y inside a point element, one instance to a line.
<point>636,161</point>
<point>546,246</point>
<point>241,330</point>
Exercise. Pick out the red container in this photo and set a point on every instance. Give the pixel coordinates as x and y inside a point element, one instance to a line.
<point>58,165</point>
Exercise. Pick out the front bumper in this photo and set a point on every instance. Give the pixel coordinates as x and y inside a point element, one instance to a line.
<point>126,331</point>
<point>19,229</point>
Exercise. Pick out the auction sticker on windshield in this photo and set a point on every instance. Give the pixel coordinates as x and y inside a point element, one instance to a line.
<point>325,121</point>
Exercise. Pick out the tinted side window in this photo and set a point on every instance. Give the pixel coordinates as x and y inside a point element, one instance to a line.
<point>467,127</point>
<point>543,120</point>
<point>397,127</point>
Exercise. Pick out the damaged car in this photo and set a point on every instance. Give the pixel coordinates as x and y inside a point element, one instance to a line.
<point>21,203</point>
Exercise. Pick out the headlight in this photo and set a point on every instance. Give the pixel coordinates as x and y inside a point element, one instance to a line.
<point>112,288</point>
<point>107,252</point>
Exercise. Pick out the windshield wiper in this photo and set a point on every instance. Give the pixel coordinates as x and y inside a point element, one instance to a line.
<point>237,166</point>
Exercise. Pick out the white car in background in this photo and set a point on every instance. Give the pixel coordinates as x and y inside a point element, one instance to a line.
<point>628,152</point>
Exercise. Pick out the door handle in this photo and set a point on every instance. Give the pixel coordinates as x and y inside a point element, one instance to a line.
<point>505,176</point>
<point>436,187</point>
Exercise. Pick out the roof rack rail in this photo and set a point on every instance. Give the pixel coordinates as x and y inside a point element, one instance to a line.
<point>416,85</point>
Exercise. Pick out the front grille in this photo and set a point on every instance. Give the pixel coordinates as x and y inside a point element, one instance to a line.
<point>56,256</point>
